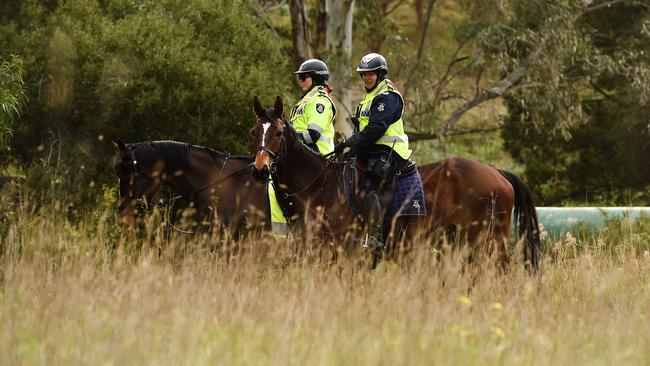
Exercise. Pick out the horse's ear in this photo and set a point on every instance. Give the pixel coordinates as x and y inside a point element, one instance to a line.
<point>257,108</point>
<point>278,107</point>
<point>119,146</point>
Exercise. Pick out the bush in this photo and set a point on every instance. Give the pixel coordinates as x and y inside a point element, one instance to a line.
<point>169,69</point>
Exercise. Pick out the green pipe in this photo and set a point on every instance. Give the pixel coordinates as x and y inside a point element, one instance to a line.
<point>558,221</point>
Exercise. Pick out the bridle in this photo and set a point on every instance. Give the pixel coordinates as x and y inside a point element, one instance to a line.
<point>284,194</point>
<point>275,156</point>
<point>134,170</point>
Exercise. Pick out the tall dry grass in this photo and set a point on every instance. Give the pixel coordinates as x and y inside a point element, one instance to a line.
<point>88,293</point>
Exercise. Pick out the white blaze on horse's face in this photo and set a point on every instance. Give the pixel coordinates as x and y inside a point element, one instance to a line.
<point>265,126</point>
<point>263,158</point>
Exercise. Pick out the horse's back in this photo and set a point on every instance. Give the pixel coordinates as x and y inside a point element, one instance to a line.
<point>465,192</point>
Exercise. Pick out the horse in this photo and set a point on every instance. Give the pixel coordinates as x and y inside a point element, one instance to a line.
<point>478,202</point>
<point>462,196</point>
<point>214,182</point>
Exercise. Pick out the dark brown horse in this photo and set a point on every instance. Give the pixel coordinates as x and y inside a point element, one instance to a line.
<point>463,196</point>
<point>308,185</point>
<point>215,182</point>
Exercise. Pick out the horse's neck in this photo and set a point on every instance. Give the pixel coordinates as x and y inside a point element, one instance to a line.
<point>201,167</point>
<point>304,173</point>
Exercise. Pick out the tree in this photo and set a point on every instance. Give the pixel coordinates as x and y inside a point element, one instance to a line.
<point>578,115</point>
<point>333,43</point>
<point>300,32</point>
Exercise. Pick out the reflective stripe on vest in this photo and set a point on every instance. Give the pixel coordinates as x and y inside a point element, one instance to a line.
<point>325,142</point>
<point>279,223</point>
<point>394,136</point>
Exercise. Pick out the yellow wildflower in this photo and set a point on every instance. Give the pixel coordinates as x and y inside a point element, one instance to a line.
<point>498,333</point>
<point>464,300</point>
<point>496,306</point>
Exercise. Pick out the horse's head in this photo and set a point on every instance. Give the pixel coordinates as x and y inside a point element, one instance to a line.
<point>268,137</point>
<point>138,182</point>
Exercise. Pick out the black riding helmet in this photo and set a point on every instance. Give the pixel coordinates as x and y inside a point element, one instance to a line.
<point>373,62</point>
<point>317,69</point>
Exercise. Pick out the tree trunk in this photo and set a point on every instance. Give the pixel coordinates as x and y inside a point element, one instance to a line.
<point>419,17</point>
<point>322,41</point>
<point>300,32</point>
<point>339,34</point>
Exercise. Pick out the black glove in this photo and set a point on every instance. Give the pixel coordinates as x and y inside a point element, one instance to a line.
<point>349,142</point>
<point>338,149</point>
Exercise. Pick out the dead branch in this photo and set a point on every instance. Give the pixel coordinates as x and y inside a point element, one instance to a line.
<point>423,136</point>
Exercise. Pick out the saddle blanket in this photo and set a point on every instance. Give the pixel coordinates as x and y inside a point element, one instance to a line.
<point>408,197</point>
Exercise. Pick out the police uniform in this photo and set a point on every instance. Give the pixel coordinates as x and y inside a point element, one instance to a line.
<point>380,144</point>
<point>380,125</point>
<point>313,119</point>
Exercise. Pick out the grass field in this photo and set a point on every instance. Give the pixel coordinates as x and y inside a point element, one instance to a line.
<point>91,294</point>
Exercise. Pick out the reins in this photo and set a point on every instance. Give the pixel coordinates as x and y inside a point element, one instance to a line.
<point>164,203</point>
<point>303,189</point>
<point>170,202</point>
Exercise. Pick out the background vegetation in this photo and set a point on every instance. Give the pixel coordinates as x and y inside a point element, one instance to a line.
<point>557,91</point>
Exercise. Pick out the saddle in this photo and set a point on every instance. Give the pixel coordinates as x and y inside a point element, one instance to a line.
<point>408,193</point>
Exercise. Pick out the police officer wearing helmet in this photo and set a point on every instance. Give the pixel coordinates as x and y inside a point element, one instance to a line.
<point>379,141</point>
<point>313,116</point>
<point>313,119</point>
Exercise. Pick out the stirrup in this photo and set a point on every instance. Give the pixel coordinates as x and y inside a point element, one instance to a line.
<point>369,241</point>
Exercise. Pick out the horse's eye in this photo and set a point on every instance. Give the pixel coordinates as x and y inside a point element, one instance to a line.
<point>253,132</point>
<point>278,133</point>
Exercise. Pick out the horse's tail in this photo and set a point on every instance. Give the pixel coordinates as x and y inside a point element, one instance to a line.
<point>525,216</point>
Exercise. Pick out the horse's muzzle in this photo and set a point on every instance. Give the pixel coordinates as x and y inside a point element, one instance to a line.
<point>261,175</point>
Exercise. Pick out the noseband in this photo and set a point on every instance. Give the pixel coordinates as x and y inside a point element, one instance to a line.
<point>274,157</point>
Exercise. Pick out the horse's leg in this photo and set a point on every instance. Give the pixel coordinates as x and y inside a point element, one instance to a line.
<point>489,239</point>
<point>397,233</point>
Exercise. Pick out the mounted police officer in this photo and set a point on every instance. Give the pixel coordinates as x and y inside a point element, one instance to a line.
<point>313,119</point>
<point>380,143</point>
<point>313,116</point>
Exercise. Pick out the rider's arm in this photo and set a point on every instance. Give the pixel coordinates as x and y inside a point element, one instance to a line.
<point>318,113</point>
<point>384,111</point>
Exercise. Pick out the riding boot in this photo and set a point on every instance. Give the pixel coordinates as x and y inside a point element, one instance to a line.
<point>372,221</point>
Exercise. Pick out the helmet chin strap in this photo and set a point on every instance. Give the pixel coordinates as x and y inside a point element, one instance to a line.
<point>381,75</point>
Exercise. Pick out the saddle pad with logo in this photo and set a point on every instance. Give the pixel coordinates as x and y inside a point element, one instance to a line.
<point>408,197</point>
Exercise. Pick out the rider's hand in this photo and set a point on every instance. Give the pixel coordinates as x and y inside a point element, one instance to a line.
<point>340,147</point>
<point>349,142</point>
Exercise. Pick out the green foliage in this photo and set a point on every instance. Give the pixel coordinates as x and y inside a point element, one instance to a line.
<point>578,118</point>
<point>12,96</point>
<point>136,71</point>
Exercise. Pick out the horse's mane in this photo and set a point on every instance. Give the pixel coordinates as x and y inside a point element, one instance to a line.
<point>217,155</point>
<point>175,153</point>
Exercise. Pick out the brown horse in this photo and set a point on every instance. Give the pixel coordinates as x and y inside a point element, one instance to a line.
<point>476,201</point>
<point>462,196</point>
<point>214,182</point>
<point>308,185</point>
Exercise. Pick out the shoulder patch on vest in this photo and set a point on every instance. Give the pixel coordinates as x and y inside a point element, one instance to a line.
<point>381,107</point>
<point>320,108</point>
